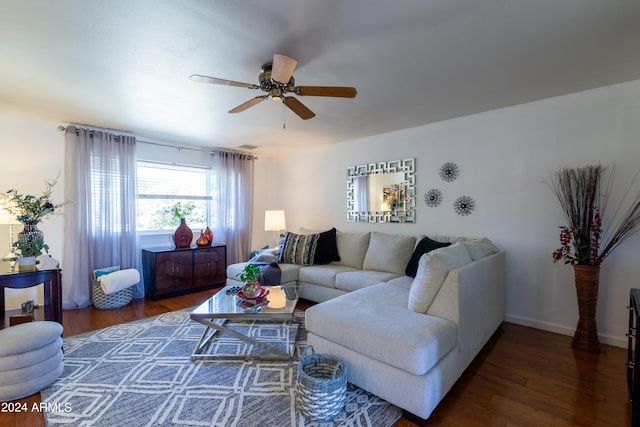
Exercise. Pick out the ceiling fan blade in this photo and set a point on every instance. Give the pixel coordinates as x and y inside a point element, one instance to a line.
<point>298,107</point>
<point>282,68</point>
<point>207,79</point>
<point>250,103</point>
<point>333,91</point>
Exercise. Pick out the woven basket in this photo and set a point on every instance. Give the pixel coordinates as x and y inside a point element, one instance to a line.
<point>114,300</point>
<point>321,386</point>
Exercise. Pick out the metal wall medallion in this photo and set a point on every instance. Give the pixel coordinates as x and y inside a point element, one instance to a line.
<point>433,197</point>
<point>464,205</point>
<point>449,171</point>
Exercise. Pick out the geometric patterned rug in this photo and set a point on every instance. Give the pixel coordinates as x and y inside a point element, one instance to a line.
<point>141,374</point>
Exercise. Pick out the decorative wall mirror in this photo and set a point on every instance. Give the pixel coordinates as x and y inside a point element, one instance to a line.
<point>382,192</point>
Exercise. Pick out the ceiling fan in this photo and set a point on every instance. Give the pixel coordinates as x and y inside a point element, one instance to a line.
<point>276,79</point>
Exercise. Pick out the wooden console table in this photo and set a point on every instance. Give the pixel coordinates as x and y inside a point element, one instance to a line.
<point>52,280</point>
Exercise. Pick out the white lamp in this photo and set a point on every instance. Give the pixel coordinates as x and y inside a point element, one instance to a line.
<point>274,221</point>
<point>8,219</point>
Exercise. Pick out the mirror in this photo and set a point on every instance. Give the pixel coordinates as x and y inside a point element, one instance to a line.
<point>382,192</point>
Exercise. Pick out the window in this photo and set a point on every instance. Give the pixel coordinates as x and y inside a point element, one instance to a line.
<point>162,187</point>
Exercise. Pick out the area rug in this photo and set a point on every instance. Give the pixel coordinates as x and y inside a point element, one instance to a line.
<point>141,374</point>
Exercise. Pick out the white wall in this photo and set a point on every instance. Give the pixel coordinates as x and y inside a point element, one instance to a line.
<point>32,152</point>
<point>505,158</point>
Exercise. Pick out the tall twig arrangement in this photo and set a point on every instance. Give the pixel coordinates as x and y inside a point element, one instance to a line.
<point>584,203</point>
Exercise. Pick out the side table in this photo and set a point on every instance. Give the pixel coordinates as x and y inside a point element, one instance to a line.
<point>52,280</point>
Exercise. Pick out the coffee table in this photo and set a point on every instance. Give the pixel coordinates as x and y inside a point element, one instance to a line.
<point>228,306</point>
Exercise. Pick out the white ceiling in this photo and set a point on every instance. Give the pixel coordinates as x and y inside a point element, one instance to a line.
<point>125,64</point>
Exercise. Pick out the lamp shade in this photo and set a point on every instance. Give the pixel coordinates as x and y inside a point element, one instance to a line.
<point>7,218</point>
<point>274,221</point>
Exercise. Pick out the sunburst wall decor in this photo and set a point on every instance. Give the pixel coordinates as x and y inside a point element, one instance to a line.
<point>449,171</point>
<point>464,205</point>
<point>433,197</point>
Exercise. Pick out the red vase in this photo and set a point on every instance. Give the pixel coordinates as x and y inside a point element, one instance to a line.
<point>183,235</point>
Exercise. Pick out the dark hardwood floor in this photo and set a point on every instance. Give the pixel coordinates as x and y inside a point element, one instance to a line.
<point>523,376</point>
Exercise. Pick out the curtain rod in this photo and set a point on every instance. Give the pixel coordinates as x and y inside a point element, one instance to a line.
<point>179,148</point>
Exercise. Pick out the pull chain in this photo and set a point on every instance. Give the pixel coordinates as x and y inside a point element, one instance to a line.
<point>284,117</point>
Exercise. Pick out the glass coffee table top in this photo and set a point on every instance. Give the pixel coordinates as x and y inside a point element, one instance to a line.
<point>277,305</point>
<point>280,300</point>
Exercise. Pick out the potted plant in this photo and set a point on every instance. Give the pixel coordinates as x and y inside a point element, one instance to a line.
<point>249,276</point>
<point>29,250</point>
<point>585,242</point>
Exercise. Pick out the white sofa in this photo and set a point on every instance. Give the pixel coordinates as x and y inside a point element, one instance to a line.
<point>404,339</point>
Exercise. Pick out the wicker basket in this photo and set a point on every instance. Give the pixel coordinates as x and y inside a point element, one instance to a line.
<point>321,386</point>
<point>114,300</point>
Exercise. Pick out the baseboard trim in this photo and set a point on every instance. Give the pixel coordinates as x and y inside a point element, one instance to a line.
<point>617,341</point>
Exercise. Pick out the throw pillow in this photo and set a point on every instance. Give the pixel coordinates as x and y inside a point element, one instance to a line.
<point>327,248</point>
<point>480,248</point>
<point>388,252</point>
<point>424,246</point>
<point>433,269</point>
<point>308,249</point>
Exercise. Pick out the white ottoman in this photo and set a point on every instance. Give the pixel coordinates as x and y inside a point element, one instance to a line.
<point>30,358</point>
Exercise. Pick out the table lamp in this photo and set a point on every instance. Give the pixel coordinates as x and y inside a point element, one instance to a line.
<point>274,221</point>
<point>8,219</point>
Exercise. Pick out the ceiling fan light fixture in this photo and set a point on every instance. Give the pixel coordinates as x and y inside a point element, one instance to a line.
<point>276,94</point>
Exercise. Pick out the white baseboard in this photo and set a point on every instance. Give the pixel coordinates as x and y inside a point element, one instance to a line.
<point>617,341</point>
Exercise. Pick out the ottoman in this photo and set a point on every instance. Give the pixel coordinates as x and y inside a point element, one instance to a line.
<point>30,358</point>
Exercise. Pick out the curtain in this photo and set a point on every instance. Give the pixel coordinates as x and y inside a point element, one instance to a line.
<point>100,223</point>
<point>233,175</point>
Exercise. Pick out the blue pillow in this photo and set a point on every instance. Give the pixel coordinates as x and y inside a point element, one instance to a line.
<point>106,270</point>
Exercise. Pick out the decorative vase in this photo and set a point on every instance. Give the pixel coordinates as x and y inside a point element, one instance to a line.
<point>203,240</point>
<point>587,278</point>
<point>209,235</point>
<point>27,263</point>
<point>183,235</point>
<point>30,232</point>
<point>251,289</point>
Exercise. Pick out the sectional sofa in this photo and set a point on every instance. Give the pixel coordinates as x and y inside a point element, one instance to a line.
<point>407,314</point>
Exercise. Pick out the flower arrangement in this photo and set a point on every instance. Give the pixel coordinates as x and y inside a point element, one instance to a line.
<point>179,211</point>
<point>29,208</point>
<point>583,241</point>
<point>250,275</point>
<point>31,248</point>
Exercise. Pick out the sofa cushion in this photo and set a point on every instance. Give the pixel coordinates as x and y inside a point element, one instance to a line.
<point>308,249</point>
<point>480,248</point>
<point>352,247</point>
<point>323,275</point>
<point>376,322</point>
<point>402,281</point>
<point>388,252</point>
<point>424,246</point>
<point>432,271</point>
<point>353,280</point>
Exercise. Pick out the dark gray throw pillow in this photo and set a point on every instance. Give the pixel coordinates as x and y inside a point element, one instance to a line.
<point>424,246</point>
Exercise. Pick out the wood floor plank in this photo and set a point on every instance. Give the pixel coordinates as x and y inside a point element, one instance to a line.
<point>523,377</point>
